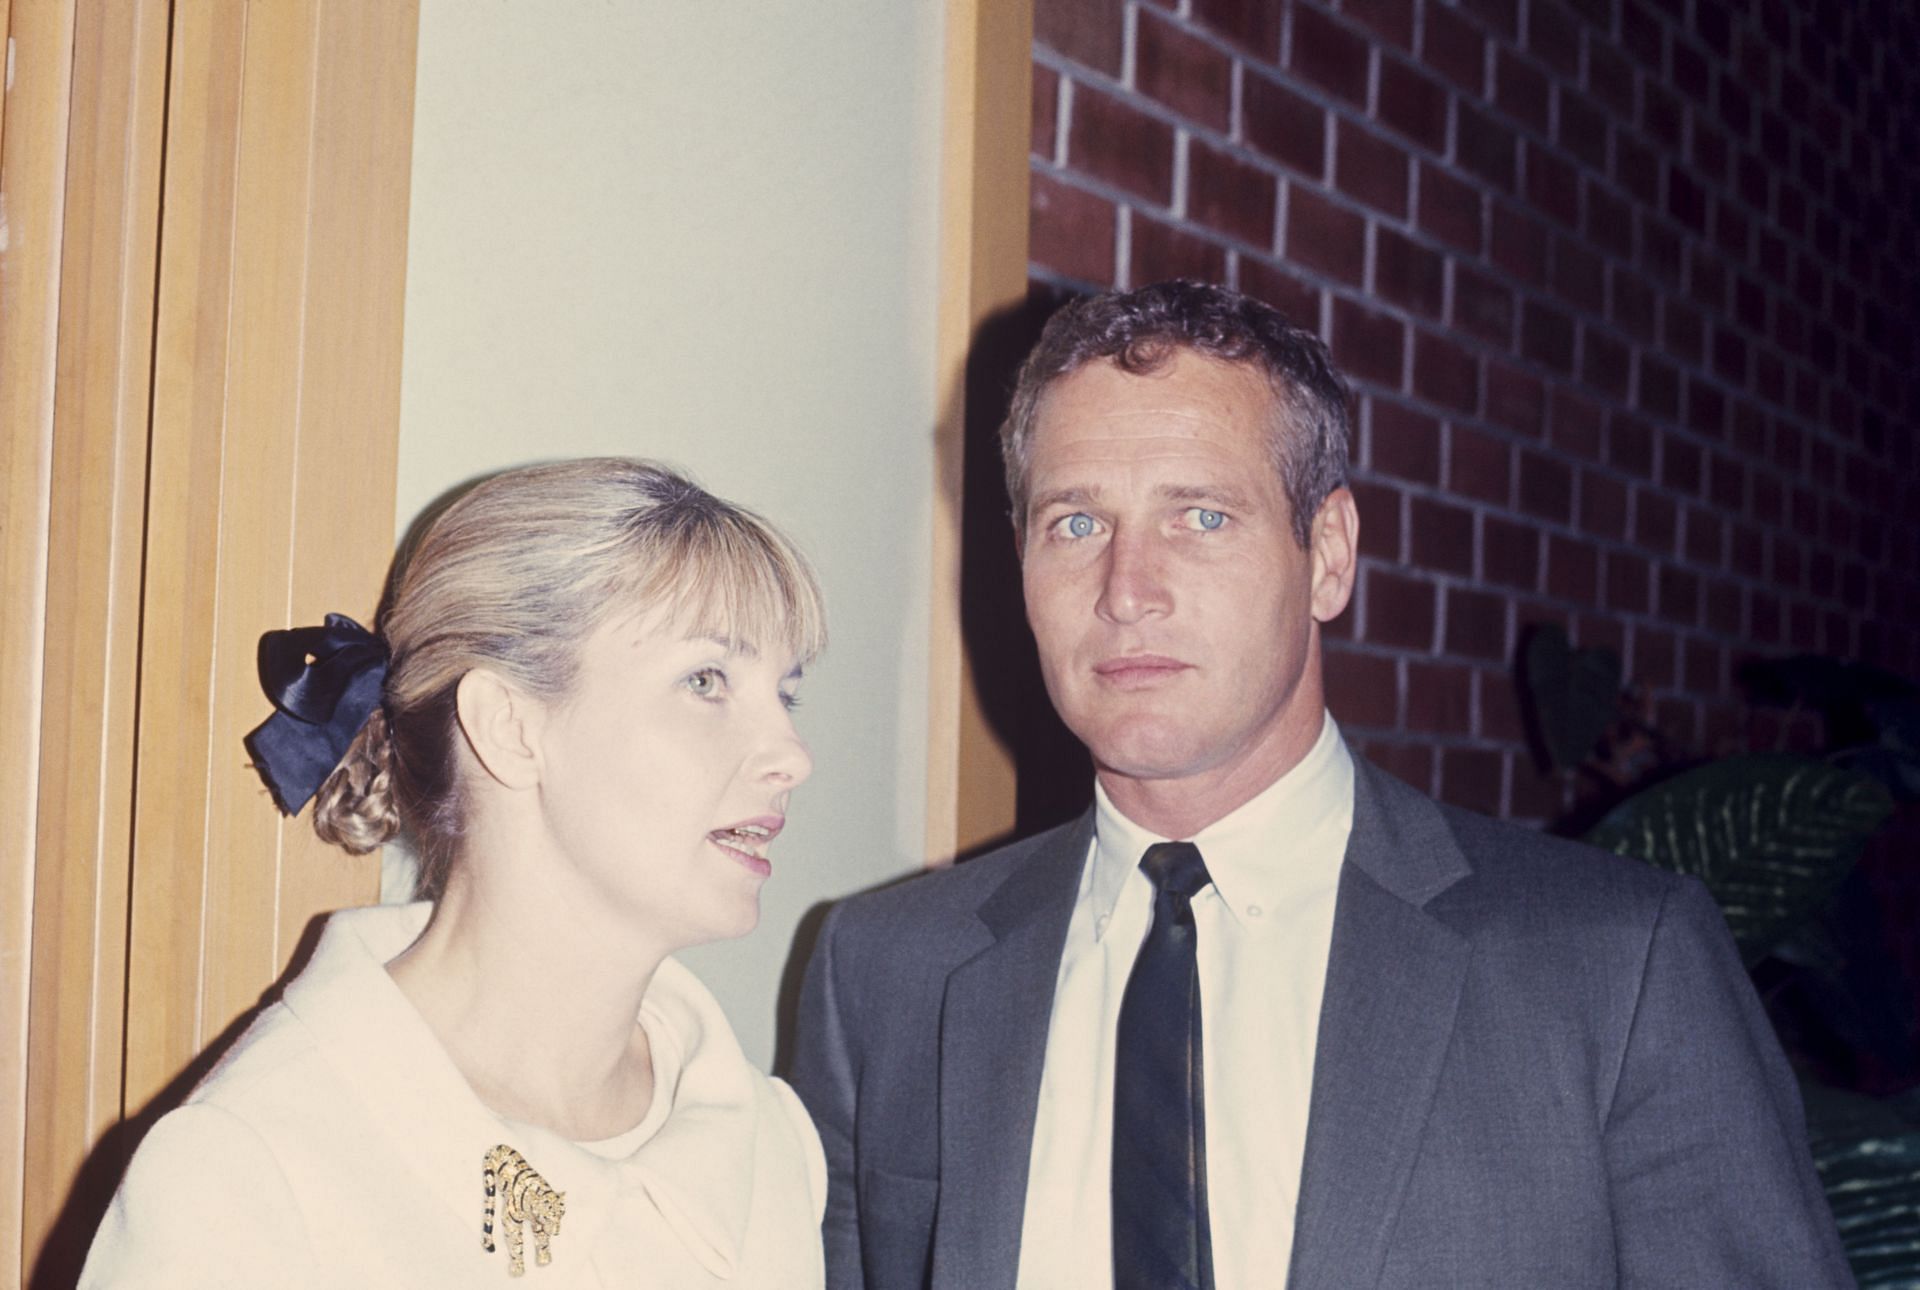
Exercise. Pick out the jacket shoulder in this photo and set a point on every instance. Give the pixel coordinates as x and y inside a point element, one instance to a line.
<point>1505,853</point>
<point>1562,897</point>
<point>935,912</point>
<point>937,895</point>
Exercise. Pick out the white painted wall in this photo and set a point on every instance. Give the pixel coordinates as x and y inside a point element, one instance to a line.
<point>705,232</point>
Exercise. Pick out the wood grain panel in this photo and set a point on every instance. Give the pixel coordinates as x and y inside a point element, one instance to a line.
<point>275,428</point>
<point>983,270</point>
<point>97,510</point>
<point>33,158</point>
<point>177,666</point>
<point>254,549</point>
<point>6,19</point>
<point>346,458</point>
<point>199,393</point>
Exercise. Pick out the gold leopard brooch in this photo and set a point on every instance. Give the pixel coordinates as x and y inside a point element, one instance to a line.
<point>528,1198</point>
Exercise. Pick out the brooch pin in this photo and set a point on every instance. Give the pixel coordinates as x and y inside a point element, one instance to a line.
<point>529,1198</point>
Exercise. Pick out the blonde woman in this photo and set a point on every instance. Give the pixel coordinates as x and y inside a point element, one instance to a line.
<point>577,708</point>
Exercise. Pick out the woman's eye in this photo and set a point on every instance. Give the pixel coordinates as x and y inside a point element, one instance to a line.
<point>708,682</point>
<point>1078,525</point>
<point>1202,518</point>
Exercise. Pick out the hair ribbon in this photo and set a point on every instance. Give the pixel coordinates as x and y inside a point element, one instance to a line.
<point>324,682</point>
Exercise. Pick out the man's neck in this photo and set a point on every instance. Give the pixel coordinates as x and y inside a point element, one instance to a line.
<point>1179,808</point>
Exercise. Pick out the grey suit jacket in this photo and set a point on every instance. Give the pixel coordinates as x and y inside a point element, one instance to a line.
<point>1538,1066</point>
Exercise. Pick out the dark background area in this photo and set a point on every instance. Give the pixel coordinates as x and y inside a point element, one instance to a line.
<point>1627,295</point>
<point>1626,292</point>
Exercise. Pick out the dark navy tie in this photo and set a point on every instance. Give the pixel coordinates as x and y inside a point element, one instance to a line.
<point>1160,1234</point>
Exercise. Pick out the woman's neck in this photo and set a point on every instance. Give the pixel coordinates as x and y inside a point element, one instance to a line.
<point>536,1004</point>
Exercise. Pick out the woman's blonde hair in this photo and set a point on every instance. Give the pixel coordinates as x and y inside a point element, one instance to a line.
<point>513,576</point>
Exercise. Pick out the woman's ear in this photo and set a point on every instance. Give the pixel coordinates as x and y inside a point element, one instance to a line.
<point>501,725</point>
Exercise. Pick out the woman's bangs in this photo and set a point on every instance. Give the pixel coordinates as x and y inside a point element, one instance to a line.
<point>740,585</point>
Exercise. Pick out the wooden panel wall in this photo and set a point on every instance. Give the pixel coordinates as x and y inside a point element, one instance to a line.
<point>33,163</point>
<point>97,506</point>
<point>276,402</point>
<point>983,270</point>
<point>202,284</point>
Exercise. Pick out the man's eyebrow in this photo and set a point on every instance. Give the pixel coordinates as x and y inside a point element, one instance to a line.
<point>1063,497</point>
<point>1226,495</point>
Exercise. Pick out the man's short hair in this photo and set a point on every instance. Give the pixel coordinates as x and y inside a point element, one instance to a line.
<point>1141,330</point>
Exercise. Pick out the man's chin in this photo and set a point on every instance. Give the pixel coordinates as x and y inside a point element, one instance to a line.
<point>1148,755</point>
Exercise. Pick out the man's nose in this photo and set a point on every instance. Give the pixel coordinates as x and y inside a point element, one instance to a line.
<point>1134,584</point>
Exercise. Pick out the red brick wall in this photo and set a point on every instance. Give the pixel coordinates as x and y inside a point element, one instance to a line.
<point>1627,293</point>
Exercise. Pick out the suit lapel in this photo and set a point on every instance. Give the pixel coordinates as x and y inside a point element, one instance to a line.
<point>1394,975</point>
<point>993,1041</point>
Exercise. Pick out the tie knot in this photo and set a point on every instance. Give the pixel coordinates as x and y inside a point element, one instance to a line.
<point>1175,867</point>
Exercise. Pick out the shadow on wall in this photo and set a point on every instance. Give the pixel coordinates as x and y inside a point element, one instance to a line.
<point>64,1254</point>
<point>1053,777</point>
<point>1054,780</point>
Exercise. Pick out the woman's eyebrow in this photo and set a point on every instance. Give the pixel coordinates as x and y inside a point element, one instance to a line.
<point>732,645</point>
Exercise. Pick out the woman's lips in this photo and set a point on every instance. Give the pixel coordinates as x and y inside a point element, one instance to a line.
<point>746,841</point>
<point>748,860</point>
<point>1134,671</point>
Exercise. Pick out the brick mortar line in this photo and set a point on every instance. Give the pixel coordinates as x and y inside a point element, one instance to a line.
<point>1814,426</point>
<point>1745,584</point>
<point>1692,244</point>
<point>1338,109</point>
<point>1760,341</point>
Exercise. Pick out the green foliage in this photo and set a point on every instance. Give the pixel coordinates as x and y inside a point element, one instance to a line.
<point>1893,757</point>
<point>1868,1154</point>
<point>1571,695</point>
<point>1770,836</point>
<point>1873,1186</point>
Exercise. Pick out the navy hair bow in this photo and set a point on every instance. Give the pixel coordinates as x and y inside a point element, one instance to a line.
<point>324,682</point>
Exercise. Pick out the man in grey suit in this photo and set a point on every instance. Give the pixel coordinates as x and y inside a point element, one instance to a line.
<point>1265,1016</point>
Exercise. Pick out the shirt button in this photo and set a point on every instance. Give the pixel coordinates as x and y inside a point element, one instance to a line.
<point>1254,911</point>
<point>1100,927</point>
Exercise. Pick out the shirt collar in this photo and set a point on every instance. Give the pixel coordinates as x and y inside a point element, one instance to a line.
<point>1258,877</point>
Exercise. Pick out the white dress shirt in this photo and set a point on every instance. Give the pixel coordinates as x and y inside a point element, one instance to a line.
<point>1264,928</point>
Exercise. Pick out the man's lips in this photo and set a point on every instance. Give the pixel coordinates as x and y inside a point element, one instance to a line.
<point>1133,670</point>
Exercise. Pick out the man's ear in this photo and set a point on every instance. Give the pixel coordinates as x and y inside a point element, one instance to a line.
<point>1019,535</point>
<point>501,724</point>
<point>1334,546</point>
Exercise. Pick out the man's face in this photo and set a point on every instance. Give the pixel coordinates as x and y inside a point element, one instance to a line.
<point>1175,611</point>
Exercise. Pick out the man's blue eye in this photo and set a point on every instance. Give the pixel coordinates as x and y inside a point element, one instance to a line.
<point>1080,525</point>
<point>1208,519</point>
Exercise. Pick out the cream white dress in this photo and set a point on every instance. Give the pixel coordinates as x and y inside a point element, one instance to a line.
<point>337,1145</point>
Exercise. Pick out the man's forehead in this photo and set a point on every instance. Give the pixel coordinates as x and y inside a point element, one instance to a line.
<point>1181,397</point>
<point>1153,427</point>
<point>1210,450</point>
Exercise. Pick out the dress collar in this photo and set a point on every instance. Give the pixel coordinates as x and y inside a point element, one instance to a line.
<point>689,1171</point>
